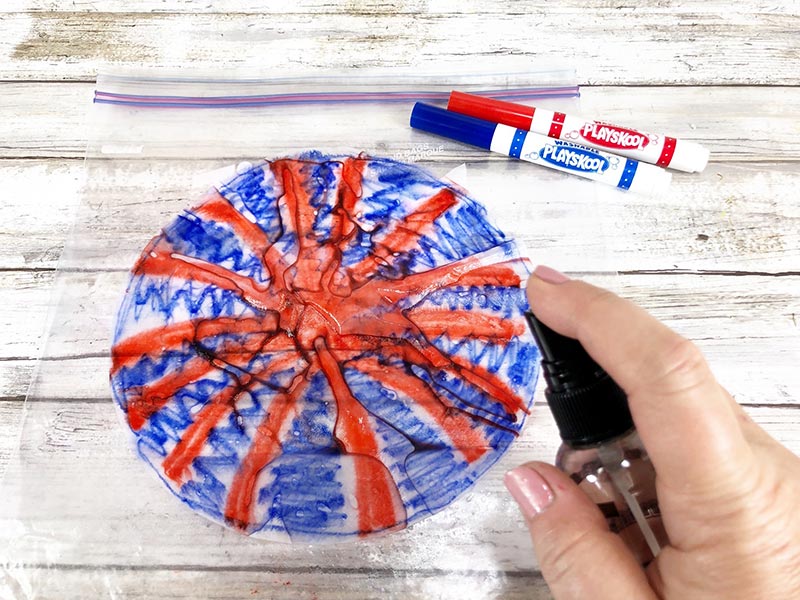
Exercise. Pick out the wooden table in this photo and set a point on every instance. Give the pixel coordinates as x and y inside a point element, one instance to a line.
<point>717,258</point>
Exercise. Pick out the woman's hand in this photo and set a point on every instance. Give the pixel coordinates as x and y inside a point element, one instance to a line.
<point>729,493</point>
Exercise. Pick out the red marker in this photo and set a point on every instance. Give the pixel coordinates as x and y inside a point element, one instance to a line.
<point>656,149</point>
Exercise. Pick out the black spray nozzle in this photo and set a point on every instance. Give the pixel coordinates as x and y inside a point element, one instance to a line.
<point>588,406</point>
<point>566,364</point>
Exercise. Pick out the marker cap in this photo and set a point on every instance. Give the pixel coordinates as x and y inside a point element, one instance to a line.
<point>689,157</point>
<point>462,128</point>
<point>497,111</point>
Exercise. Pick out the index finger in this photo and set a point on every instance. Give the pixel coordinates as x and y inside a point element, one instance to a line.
<point>687,422</point>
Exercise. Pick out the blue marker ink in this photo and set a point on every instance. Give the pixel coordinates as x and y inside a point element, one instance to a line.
<point>624,173</point>
<point>333,359</point>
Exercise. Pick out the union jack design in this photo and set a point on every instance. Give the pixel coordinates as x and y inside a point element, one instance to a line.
<point>325,347</point>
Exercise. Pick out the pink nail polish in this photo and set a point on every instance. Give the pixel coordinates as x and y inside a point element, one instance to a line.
<point>529,489</point>
<point>550,275</point>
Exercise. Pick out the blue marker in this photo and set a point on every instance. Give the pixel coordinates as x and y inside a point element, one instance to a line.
<point>624,173</point>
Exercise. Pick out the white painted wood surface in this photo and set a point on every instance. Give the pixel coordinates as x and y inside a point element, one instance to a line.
<point>717,258</point>
<point>649,42</point>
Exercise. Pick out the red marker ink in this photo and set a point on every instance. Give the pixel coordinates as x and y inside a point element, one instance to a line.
<point>601,450</point>
<point>656,149</point>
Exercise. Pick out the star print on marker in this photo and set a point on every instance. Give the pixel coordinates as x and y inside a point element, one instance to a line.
<point>325,348</point>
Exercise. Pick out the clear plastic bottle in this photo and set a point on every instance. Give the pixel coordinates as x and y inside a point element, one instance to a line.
<point>601,449</point>
<point>618,476</point>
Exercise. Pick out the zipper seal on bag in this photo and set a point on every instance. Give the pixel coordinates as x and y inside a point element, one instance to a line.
<point>101,97</point>
<point>147,91</point>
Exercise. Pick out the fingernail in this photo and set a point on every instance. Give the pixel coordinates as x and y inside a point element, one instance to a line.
<point>529,489</point>
<point>550,275</point>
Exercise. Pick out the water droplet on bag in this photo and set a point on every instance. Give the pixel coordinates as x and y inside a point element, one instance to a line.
<point>243,167</point>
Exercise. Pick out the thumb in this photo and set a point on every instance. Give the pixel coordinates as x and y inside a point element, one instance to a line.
<point>578,555</point>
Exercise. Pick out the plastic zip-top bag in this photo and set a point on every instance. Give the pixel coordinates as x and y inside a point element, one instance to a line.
<point>311,318</point>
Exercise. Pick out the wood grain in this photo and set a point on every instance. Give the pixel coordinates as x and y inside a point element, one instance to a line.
<point>741,323</point>
<point>720,73</point>
<point>10,424</point>
<point>663,44</point>
<point>392,7</point>
<point>15,378</point>
<point>80,583</point>
<point>121,514</point>
<point>733,216</point>
<point>735,122</point>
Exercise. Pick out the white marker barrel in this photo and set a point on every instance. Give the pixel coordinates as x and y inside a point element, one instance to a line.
<point>656,149</point>
<point>611,169</point>
<point>621,172</point>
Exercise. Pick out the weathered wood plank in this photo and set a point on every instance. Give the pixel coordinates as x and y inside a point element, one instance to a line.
<point>662,45</point>
<point>44,119</point>
<point>79,452</point>
<point>16,376</point>
<point>734,122</point>
<point>747,327</point>
<point>10,424</point>
<point>732,216</point>
<point>228,563</point>
<point>94,503</point>
<point>471,582</point>
<point>736,216</point>
<point>23,318</point>
<point>383,7</point>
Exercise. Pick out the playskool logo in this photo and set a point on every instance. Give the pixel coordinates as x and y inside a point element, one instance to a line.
<point>611,136</point>
<point>573,158</point>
